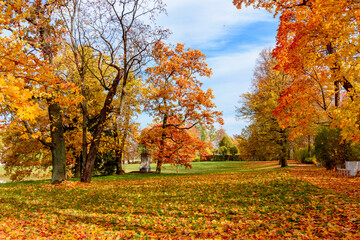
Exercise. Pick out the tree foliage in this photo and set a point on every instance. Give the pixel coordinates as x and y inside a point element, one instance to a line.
<point>174,96</point>
<point>318,45</point>
<point>264,137</point>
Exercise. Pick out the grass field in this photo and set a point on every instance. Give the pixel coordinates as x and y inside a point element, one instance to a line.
<point>290,203</point>
<point>197,168</point>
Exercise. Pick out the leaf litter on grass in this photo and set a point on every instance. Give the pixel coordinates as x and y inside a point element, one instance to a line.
<point>247,205</point>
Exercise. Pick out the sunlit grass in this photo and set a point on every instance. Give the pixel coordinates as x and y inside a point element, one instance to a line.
<point>246,205</point>
<point>197,168</point>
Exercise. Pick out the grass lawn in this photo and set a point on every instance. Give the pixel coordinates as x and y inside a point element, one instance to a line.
<point>197,168</point>
<point>208,167</point>
<point>295,203</point>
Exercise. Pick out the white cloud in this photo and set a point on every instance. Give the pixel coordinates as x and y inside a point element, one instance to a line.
<point>202,22</point>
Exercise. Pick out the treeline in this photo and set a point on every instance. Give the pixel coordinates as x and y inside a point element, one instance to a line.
<point>74,76</point>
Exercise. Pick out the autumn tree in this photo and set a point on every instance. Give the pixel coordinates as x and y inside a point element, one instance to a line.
<point>119,34</point>
<point>175,98</point>
<point>179,147</point>
<point>31,86</point>
<point>317,43</point>
<point>258,107</point>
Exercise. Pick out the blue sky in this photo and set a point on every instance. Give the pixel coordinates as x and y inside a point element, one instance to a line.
<point>230,38</point>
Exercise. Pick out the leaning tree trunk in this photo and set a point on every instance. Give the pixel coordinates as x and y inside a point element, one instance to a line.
<point>57,144</point>
<point>94,145</point>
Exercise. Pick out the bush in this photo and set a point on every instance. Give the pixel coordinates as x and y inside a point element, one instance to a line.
<point>301,154</point>
<point>233,150</point>
<point>223,150</point>
<point>105,164</point>
<point>308,160</point>
<point>331,150</point>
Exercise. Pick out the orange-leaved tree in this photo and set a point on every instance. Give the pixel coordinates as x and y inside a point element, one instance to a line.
<point>318,44</point>
<point>174,96</point>
<point>179,146</point>
<point>32,91</point>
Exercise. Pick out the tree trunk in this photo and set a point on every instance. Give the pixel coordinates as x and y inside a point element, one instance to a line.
<point>119,155</point>
<point>84,123</point>
<point>78,167</point>
<point>337,93</point>
<point>284,148</point>
<point>118,159</point>
<point>58,144</point>
<point>309,146</point>
<point>94,146</point>
<point>158,166</point>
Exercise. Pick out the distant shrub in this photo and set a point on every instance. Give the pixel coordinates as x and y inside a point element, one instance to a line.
<point>308,160</point>
<point>301,154</point>
<point>331,150</point>
<point>233,150</point>
<point>105,164</point>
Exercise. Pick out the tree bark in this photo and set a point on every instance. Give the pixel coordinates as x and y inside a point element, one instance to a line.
<point>158,166</point>
<point>78,167</point>
<point>84,123</point>
<point>284,148</point>
<point>58,144</point>
<point>309,146</point>
<point>119,159</point>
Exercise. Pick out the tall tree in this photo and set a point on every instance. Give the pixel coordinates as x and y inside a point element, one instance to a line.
<point>258,106</point>
<point>174,97</point>
<point>121,37</point>
<point>318,44</point>
<point>30,43</point>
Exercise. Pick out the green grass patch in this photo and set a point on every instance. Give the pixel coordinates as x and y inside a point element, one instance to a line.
<point>208,167</point>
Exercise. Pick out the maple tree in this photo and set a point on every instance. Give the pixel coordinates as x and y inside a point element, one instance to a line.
<point>175,98</point>
<point>31,89</point>
<point>317,43</point>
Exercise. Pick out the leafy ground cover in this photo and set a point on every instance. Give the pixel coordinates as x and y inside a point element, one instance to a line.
<point>276,203</point>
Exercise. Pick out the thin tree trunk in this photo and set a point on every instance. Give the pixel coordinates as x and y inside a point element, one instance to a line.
<point>337,93</point>
<point>78,167</point>
<point>119,155</point>
<point>118,159</point>
<point>58,144</point>
<point>283,151</point>
<point>84,123</point>
<point>309,146</point>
